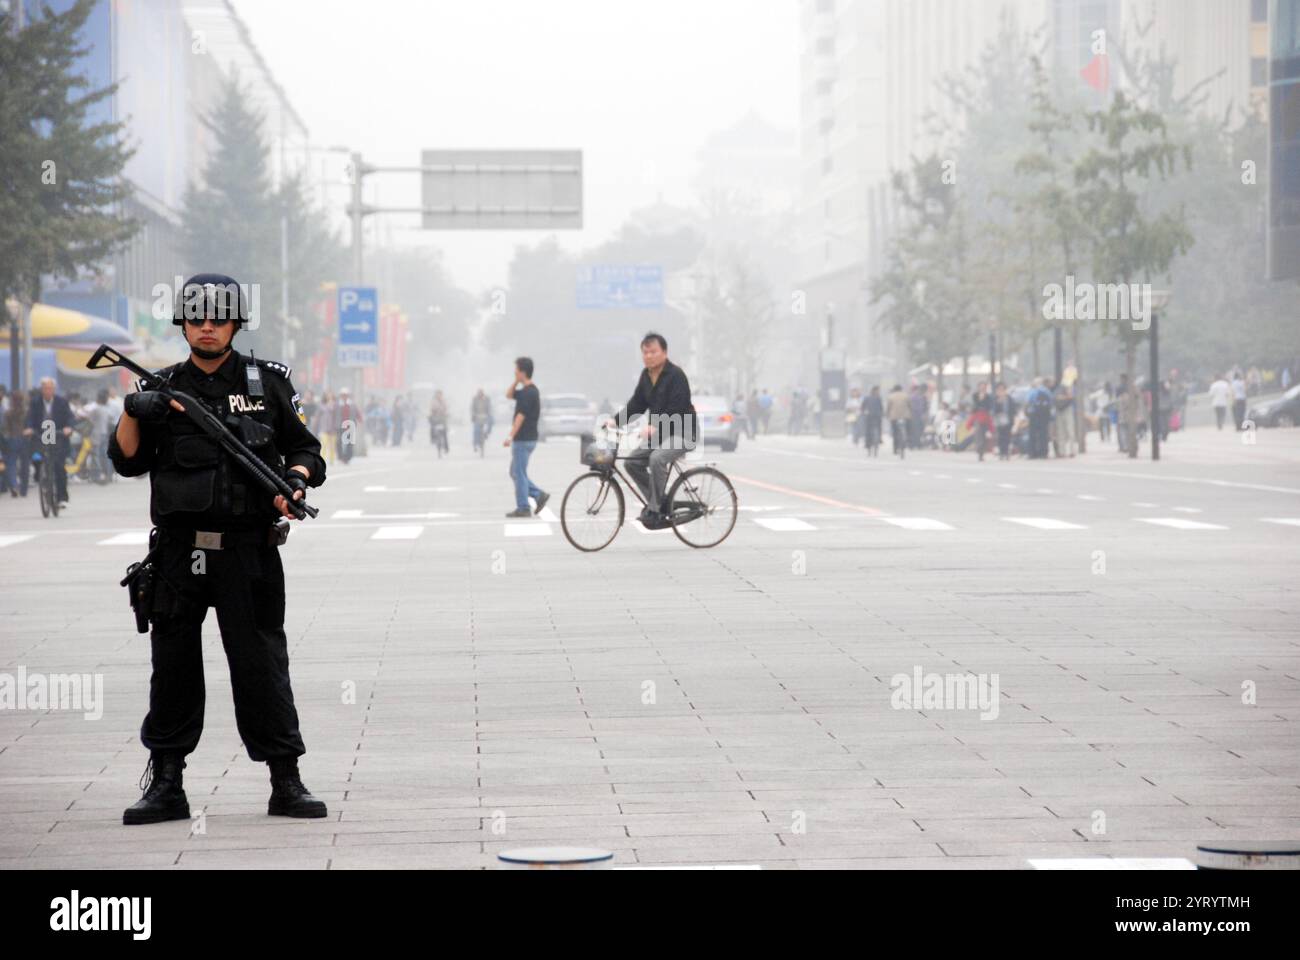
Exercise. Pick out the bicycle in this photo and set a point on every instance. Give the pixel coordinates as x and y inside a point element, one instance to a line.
<point>704,505</point>
<point>45,485</point>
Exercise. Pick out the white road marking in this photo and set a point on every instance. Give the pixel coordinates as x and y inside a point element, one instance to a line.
<point>1045,490</point>
<point>8,540</point>
<point>942,476</point>
<point>535,529</point>
<point>1145,506</point>
<point>1044,523</point>
<point>1285,521</point>
<point>784,524</point>
<point>397,533</point>
<point>1008,486</point>
<point>1089,496</point>
<point>360,515</point>
<point>382,489</point>
<point>1188,510</point>
<point>973,480</point>
<point>1179,524</point>
<point>136,538</point>
<point>548,515</point>
<point>917,523</point>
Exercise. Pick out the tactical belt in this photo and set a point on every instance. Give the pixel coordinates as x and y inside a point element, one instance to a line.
<point>224,539</point>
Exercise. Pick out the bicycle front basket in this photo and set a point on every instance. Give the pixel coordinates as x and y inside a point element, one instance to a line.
<point>598,453</point>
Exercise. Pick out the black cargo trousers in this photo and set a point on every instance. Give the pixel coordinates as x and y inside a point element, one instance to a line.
<point>244,581</point>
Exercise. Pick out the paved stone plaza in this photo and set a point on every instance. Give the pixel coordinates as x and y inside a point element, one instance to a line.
<point>468,684</point>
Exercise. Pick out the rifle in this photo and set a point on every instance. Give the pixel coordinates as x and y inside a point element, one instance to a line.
<point>211,425</point>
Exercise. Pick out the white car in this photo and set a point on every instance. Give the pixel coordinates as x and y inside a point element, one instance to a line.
<point>565,415</point>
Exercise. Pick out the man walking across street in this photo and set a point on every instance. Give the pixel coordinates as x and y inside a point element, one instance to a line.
<point>522,437</point>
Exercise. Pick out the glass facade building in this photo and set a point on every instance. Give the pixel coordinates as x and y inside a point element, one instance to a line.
<point>1284,141</point>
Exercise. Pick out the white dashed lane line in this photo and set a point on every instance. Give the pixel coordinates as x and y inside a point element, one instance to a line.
<point>1177,523</point>
<point>397,533</point>
<point>784,524</point>
<point>9,539</point>
<point>1044,523</point>
<point>917,523</point>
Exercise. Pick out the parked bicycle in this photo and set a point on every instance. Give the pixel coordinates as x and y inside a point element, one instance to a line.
<point>703,501</point>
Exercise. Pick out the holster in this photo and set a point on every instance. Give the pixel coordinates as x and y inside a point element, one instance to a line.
<point>139,583</point>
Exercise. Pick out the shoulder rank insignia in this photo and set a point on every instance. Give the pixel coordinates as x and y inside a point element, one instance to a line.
<point>279,368</point>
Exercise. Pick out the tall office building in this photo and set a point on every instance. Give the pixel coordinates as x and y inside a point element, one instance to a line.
<point>1284,141</point>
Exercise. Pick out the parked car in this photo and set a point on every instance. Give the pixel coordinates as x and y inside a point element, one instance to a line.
<point>1282,412</point>
<point>717,424</point>
<point>565,415</point>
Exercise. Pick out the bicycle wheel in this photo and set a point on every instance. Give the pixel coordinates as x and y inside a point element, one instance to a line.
<point>703,506</point>
<point>42,492</point>
<point>591,513</point>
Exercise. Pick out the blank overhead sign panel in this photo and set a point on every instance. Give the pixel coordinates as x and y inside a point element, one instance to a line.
<point>502,189</point>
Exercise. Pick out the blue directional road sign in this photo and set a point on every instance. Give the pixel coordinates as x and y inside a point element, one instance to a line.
<point>614,286</point>
<point>358,339</point>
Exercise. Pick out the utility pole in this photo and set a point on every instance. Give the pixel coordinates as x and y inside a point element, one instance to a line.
<point>24,311</point>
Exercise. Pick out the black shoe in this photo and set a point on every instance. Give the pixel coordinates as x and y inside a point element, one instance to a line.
<point>164,798</point>
<point>289,798</point>
<point>525,512</point>
<point>541,502</point>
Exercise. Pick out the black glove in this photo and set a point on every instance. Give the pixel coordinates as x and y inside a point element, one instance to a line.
<point>148,405</point>
<point>297,481</point>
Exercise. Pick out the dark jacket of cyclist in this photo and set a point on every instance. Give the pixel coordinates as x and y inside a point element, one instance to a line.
<point>668,402</point>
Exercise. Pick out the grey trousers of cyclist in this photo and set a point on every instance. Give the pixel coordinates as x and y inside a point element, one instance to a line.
<point>649,469</point>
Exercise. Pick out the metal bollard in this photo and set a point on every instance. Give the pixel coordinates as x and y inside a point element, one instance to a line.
<point>556,858</point>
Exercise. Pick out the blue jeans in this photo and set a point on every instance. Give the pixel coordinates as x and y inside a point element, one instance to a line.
<point>520,451</point>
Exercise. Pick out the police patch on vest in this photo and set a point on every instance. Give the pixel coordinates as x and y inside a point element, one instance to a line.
<point>241,404</point>
<point>297,407</point>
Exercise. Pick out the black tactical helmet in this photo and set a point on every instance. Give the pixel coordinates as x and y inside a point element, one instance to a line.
<point>212,296</point>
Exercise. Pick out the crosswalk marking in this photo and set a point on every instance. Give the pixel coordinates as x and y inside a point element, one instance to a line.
<point>918,523</point>
<point>1285,521</point>
<point>548,515</point>
<point>1044,523</point>
<point>1008,486</point>
<point>1177,523</point>
<point>784,524</point>
<point>1188,510</point>
<point>382,489</point>
<point>1145,506</point>
<point>362,515</point>
<point>9,539</point>
<point>536,529</point>
<point>1089,496</point>
<point>135,538</point>
<point>397,533</point>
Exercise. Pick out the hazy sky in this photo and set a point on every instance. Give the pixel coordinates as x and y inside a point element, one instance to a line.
<point>638,86</point>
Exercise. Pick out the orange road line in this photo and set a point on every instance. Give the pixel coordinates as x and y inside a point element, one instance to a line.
<point>869,511</point>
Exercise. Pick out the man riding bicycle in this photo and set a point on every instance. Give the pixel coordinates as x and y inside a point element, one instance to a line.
<point>664,394</point>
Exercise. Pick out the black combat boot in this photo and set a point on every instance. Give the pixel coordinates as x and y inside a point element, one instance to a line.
<point>289,798</point>
<point>164,798</point>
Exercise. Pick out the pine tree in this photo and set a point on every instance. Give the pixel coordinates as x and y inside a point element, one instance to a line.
<point>61,185</point>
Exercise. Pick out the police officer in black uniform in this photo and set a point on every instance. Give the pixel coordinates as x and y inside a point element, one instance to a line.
<point>218,534</point>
